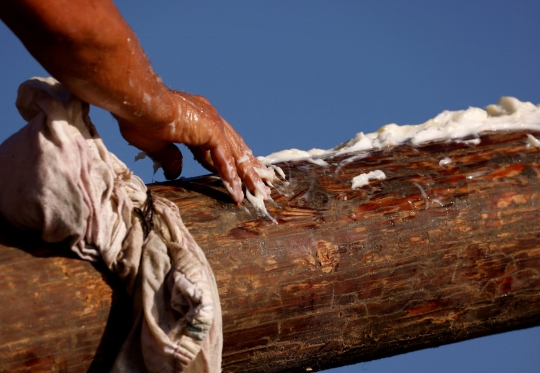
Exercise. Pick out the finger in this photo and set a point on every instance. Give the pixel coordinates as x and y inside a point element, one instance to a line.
<point>171,161</point>
<point>164,152</point>
<point>225,165</point>
<point>248,167</point>
<point>203,157</point>
<point>203,130</point>
<point>240,146</point>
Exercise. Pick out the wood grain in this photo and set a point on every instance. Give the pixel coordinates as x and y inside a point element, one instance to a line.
<point>346,276</point>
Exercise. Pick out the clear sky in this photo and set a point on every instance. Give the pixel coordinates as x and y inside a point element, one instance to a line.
<point>304,74</point>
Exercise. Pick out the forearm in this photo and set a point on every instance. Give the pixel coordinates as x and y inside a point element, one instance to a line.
<point>89,47</point>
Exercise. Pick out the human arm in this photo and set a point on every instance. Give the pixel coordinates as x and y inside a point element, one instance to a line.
<point>90,49</point>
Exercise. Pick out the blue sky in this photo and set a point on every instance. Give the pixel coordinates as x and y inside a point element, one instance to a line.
<point>311,74</point>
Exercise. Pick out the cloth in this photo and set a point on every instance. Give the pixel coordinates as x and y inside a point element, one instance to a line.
<point>56,176</point>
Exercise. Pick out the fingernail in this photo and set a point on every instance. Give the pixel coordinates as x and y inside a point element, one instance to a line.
<point>235,190</point>
<point>237,185</point>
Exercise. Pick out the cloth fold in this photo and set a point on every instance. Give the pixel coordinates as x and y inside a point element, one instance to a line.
<point>56,176</point>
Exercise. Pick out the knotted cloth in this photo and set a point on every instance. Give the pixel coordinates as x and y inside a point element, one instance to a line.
<point>56,176</point>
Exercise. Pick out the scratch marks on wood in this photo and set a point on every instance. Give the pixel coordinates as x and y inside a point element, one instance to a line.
<point>327,255</point>
<point>346,276</point>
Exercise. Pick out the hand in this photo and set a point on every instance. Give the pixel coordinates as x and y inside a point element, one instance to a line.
<point>212,140</point>
<point>122,81</point>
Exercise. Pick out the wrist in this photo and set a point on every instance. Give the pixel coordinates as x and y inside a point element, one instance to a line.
<point>150,113</point>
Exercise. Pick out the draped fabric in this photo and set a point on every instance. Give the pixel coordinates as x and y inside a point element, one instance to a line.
<point>56,176</point>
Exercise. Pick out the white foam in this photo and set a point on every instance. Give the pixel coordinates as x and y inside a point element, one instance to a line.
<point>508,114</point>
<point>155,164</point>
<point>363,179</point>
<point>531,140</point>
<point>257,201</point>
<point>424,194</point>
<point>445,162</point>
<point>294,155</point>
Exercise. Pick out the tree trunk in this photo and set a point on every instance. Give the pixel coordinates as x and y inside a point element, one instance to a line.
<point>431,255</point>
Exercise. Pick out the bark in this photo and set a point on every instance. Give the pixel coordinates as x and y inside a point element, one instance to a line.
<point>346,276</point>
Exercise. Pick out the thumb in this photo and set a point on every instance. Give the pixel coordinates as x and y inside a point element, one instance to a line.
<point>171,160</point>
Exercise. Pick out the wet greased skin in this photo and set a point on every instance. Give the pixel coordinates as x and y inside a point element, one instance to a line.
<point>90,49</point>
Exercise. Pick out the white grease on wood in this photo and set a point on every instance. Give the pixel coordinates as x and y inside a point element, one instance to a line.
<point>424,194</point>
<point>363,179</point>
<point>508,114</point>
<point>531,140</point>
<point>445,162</point>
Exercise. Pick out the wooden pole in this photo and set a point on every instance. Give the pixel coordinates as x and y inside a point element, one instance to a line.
<point>431,255</point>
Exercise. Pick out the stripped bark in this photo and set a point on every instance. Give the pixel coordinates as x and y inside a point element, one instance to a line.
<point>346,276</point>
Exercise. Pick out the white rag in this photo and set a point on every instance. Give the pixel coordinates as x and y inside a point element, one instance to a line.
<point>56,176</point>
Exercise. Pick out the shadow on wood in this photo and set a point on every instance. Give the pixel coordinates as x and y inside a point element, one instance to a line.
<point>431,255</point>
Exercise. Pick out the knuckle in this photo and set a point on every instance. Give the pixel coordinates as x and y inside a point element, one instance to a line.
<point>203,99</point>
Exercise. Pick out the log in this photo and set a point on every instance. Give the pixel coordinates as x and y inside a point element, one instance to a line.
<point>346,276</point>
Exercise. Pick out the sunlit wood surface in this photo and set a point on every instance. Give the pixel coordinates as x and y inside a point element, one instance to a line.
<point>346,276</point>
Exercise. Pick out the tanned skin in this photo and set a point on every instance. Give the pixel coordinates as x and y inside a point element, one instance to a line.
<point>91,50</point>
